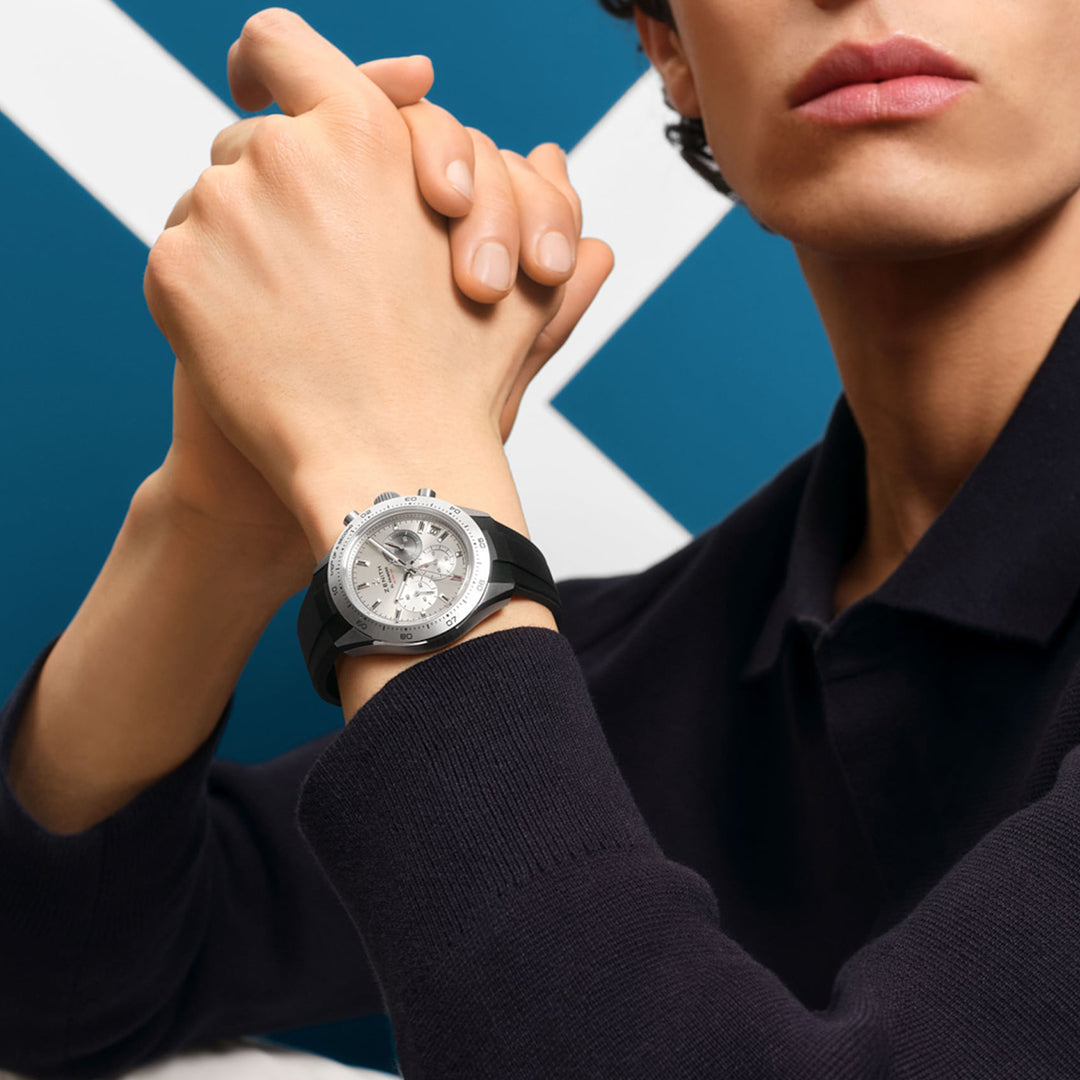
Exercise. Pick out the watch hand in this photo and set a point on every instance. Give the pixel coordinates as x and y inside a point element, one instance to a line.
<point>386,551</point>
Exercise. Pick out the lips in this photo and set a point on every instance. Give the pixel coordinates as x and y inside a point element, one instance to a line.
<point>858,62</point>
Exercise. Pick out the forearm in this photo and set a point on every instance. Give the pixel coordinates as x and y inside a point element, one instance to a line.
<point>140,677</point>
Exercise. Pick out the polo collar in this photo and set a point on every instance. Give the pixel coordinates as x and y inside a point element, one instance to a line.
<point>1003,557</point>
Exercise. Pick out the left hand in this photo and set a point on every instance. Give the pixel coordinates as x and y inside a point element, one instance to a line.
<point>309,295</point>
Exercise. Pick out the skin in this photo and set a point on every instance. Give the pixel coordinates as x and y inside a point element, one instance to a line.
<point>940,252</point>
<point>526,200</point>
<point>942,271</point>
<point>310,298</point>
<point>383,333</point>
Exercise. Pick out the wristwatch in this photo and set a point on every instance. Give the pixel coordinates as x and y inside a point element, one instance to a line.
<point>410,574</point>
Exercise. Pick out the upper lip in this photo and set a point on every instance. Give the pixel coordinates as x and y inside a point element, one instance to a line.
<point>859,62</point>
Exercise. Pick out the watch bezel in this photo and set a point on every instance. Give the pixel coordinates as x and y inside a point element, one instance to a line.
<point>415,634</point>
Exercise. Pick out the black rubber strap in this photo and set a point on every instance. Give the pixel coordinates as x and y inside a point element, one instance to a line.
<point>319,625</point>
<point>518,559</point>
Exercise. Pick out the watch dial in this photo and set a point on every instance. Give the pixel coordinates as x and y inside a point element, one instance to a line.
<point>410,567</point>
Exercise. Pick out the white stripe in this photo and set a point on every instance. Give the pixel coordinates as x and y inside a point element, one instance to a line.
<point>650,207</point>
<point>134,127</point>
<point>108,104</point>
<point>640,197</point>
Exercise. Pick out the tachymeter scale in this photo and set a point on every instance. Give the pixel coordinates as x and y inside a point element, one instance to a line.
<point>411,567</point>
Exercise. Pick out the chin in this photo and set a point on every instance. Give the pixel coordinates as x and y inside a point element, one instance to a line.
<point>890,218</point>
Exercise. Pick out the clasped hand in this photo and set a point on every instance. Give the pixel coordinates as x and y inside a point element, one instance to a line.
<point>335,332</point>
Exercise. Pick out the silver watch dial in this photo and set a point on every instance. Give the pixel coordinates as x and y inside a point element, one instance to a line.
<point>411,567</point>
<point>408,570</point>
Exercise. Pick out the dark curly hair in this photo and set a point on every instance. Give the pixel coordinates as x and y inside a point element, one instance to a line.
<point>688,134</point>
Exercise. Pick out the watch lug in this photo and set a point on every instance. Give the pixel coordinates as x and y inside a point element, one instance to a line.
<point>474,513</point>
<point>495,591</point>
<point>353,637</point>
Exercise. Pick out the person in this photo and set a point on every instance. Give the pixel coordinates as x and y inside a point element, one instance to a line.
<point>800,800</point>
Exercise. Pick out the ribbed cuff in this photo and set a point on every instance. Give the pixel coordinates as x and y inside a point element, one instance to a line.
<point>53,884</point>
<point>465,776</point>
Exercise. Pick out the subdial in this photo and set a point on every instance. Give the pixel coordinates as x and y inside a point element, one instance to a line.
<point>437,562</point>
<point>418,594</point>
<point>405,544</point>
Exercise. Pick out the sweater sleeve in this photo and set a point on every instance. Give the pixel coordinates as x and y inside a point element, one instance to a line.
<point>194,912</point>
<point>526,924</point>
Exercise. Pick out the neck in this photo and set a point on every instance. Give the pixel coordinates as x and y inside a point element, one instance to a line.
<point>934,356</point>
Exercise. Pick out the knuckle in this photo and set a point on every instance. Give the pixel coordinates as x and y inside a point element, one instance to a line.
<point>210,189</point>
<point>222,139</point>
<point>166,262</point>
<point>219,139</point>
<point>267,25</point>
<point>269,135</point>
<point>276,147</point>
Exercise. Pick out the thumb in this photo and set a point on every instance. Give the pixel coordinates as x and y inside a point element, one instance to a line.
<point>403,79</point>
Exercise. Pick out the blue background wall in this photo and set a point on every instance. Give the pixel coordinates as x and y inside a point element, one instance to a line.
<point>747,378</point>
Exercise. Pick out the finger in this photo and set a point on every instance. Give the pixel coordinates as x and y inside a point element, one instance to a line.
<point>594,264</point>
<point>180,210</point>
<point>549,160</point>
<point>548,230</point>
<point>444,157</point>
<point>484,245</point>
<point>403,79</point>
<point>279,57</point>
<point>229,143</point>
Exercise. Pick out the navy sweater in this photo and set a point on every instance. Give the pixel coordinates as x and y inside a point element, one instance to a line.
<point>713,830</point>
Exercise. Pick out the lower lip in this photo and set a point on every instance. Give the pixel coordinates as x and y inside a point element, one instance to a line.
<point>895,99</point>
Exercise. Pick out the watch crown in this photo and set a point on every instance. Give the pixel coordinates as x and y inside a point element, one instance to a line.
<point>351,517</point>
<point>387,495</point>
<point>426,491</point>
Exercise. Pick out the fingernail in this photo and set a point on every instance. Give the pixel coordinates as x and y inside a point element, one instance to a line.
<point>460,176</point>
<point>554,252</point>
<point>491,265</point>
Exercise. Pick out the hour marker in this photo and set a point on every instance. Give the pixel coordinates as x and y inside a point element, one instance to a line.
<point>365,584</point>
<point>362,562</point>
<point>445,534</point>
<point>397,615</point>
<point>376,603</point>
<point>443,596</point>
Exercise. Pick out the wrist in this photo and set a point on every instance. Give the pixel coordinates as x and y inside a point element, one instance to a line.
<point>243,561</point>
<point>481,480</point>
